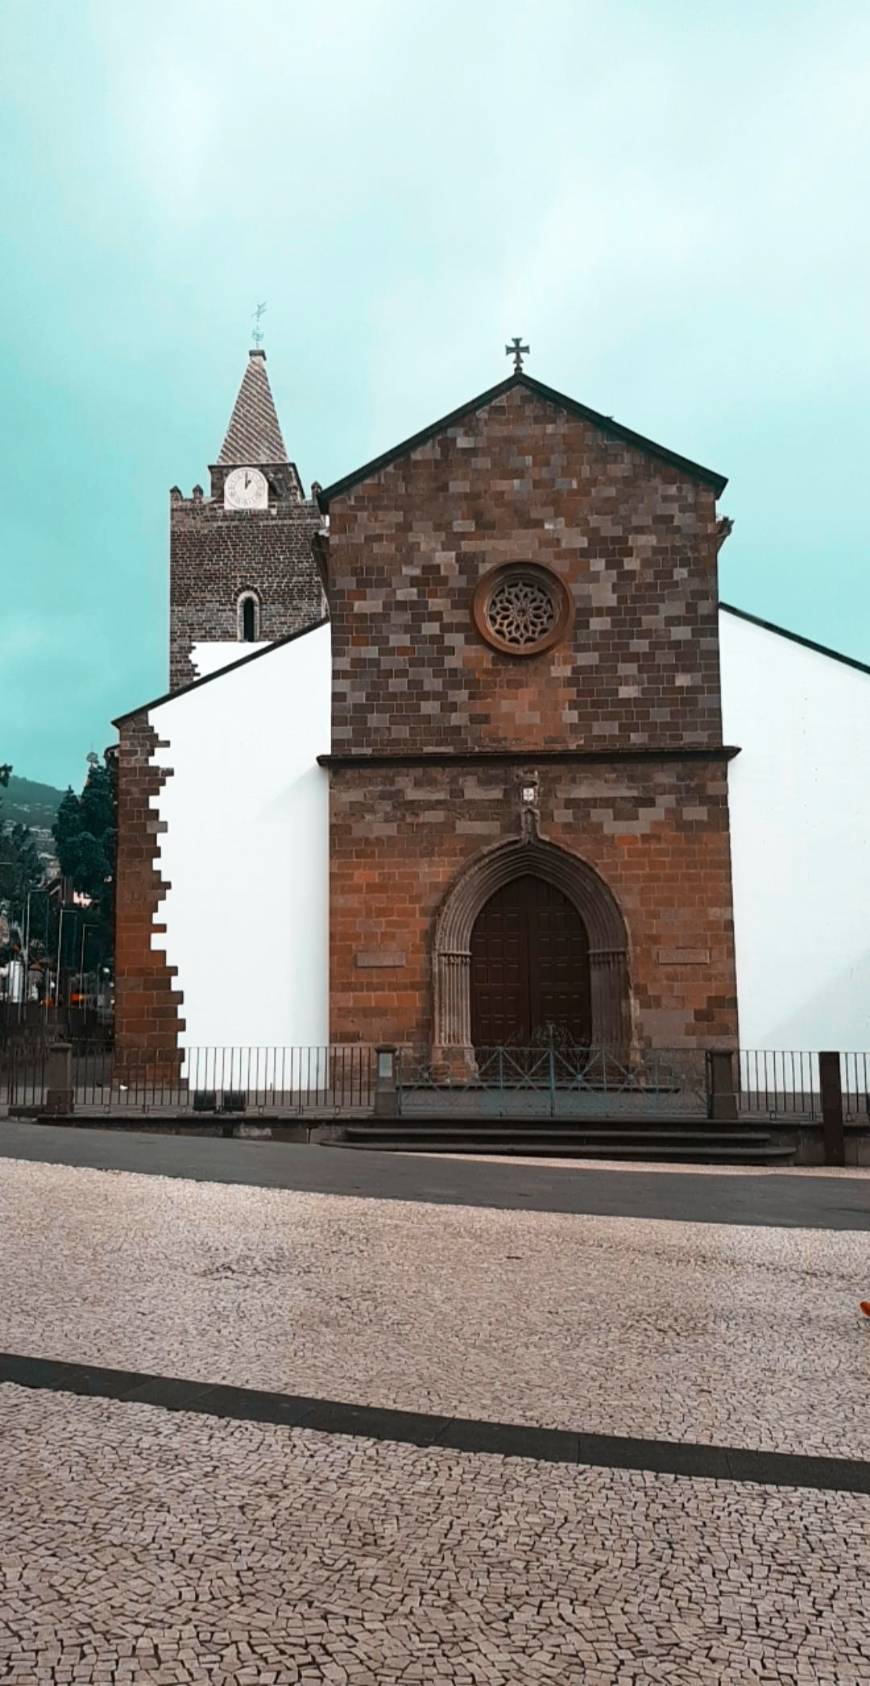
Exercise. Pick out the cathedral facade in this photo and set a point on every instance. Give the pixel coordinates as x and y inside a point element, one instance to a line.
<point>472,699</point>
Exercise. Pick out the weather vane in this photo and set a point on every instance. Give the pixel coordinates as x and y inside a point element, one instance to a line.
<point>517,351</point>
<point>257,334</point>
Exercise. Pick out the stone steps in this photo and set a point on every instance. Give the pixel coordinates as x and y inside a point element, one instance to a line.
<point>699,1143</point>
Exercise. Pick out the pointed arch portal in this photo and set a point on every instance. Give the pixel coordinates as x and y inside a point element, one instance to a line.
<point>583,978</point>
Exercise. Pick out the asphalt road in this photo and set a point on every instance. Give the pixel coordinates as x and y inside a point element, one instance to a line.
<point>778,1198</point>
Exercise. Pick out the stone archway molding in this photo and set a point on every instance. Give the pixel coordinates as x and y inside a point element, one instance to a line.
<point>598,908</point>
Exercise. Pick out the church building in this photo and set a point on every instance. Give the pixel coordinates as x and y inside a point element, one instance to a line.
<point>464,747</point>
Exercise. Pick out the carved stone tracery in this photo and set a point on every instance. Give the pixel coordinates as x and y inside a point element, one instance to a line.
<point>522,609</point>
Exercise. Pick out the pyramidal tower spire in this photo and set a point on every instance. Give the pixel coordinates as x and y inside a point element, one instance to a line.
<point>244,563</point>
<point>254,433</point>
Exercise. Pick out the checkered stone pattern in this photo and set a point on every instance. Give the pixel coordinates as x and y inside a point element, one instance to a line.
<point>634,541</point>
<point>146,1548</point>
<point>633,538</point>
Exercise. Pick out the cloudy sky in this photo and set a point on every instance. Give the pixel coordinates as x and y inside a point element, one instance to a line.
<point>669,201</point>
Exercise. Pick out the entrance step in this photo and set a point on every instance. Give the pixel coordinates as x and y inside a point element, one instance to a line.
<point>689,1144</point>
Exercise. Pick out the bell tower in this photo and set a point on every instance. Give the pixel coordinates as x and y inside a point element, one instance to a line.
<point>243,566</point>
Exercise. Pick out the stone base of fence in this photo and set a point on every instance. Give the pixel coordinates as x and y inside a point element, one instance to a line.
<point>59,1089</point>
<point>831,1086</point>
<point>721,1090</point>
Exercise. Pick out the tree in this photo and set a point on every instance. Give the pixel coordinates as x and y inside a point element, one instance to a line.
<point>67,831</point>
<point>20,871</point>
<point>20,868</point>
<point>85,833</point>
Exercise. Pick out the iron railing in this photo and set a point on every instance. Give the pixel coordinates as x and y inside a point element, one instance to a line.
<point>292,1082</point>
<point>555,1081</point>
<point>34,1021</point>
<point>544,1080</point>
<point>785,1083</point>
<point>855,1078</point>
<point>778,1083</point>
<point>23,1074</point>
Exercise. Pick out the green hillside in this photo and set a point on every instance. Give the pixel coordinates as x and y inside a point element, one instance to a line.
<point>29,803</point>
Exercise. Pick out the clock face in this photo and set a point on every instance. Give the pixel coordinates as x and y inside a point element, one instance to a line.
<point>246,488</point>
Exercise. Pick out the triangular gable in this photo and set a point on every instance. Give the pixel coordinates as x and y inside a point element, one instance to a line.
<point>607,425</point>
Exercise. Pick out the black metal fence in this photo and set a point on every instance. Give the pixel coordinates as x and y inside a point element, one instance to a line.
<point>556,1081</point>
<point>32,1021</point>
<point>549,1081</point>
<point>23,1074</point>
<point>786,1084</point>
<point>291,1082</point>
<point>855,1074</point>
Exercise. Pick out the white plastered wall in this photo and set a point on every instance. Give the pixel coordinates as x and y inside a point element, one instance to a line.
<point>211,655</point>
<point>800,837</point>
<point>246,849</point>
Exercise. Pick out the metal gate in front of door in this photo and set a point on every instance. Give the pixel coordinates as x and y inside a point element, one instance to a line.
<point>552,1080</point>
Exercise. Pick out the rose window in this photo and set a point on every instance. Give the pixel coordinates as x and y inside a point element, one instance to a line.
<point>522,610</point>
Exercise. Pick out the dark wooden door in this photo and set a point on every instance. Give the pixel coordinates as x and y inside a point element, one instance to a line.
<point>529,966</point>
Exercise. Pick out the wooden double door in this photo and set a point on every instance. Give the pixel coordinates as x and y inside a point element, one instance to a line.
<point>529,967</point>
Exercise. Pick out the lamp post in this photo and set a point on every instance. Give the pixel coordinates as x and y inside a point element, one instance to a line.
<point>25,994</point>
<point>85,929</point>
<point>59,952</point>
<point>46,986</point>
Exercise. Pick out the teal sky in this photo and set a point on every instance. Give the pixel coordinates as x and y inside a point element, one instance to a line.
<point>669,201</point>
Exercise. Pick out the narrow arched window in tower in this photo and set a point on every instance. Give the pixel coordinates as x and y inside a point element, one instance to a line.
<point>248,618</point>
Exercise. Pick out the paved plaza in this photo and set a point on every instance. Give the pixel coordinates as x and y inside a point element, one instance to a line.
<point>146,1544</point>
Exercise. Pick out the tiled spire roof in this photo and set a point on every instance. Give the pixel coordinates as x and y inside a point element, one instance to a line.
<point>254,433</point>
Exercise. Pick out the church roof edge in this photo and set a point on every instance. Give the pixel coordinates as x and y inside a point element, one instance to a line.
<point>206,678</point>
<point>695,470</point>
<point>796,638</point>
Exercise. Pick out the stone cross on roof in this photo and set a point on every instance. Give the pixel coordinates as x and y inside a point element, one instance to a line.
<point>254,434</point>
<point>517,351</point>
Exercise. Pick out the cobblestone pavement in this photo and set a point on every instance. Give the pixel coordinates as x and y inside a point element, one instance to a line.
<point>698,1332</point>
<point>143,1547</point>
<point>147,1547</point>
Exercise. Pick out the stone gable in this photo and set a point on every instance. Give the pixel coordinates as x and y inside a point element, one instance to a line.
<point>522,480</point>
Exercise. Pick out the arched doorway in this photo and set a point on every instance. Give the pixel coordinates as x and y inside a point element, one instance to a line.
<point>529,967</point>
<point>588,895</point>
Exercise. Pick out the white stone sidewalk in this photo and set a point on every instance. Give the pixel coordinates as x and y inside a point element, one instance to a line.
<point>145,1547</point>
<point>696,1332</point>
<point>161,1549</point>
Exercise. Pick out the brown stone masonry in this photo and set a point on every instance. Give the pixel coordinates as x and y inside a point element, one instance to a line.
<point>641,845</point>
<point>147,1002</point>
<point>633,539</point>
<point>655,833</point>
<point>216,555</point>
